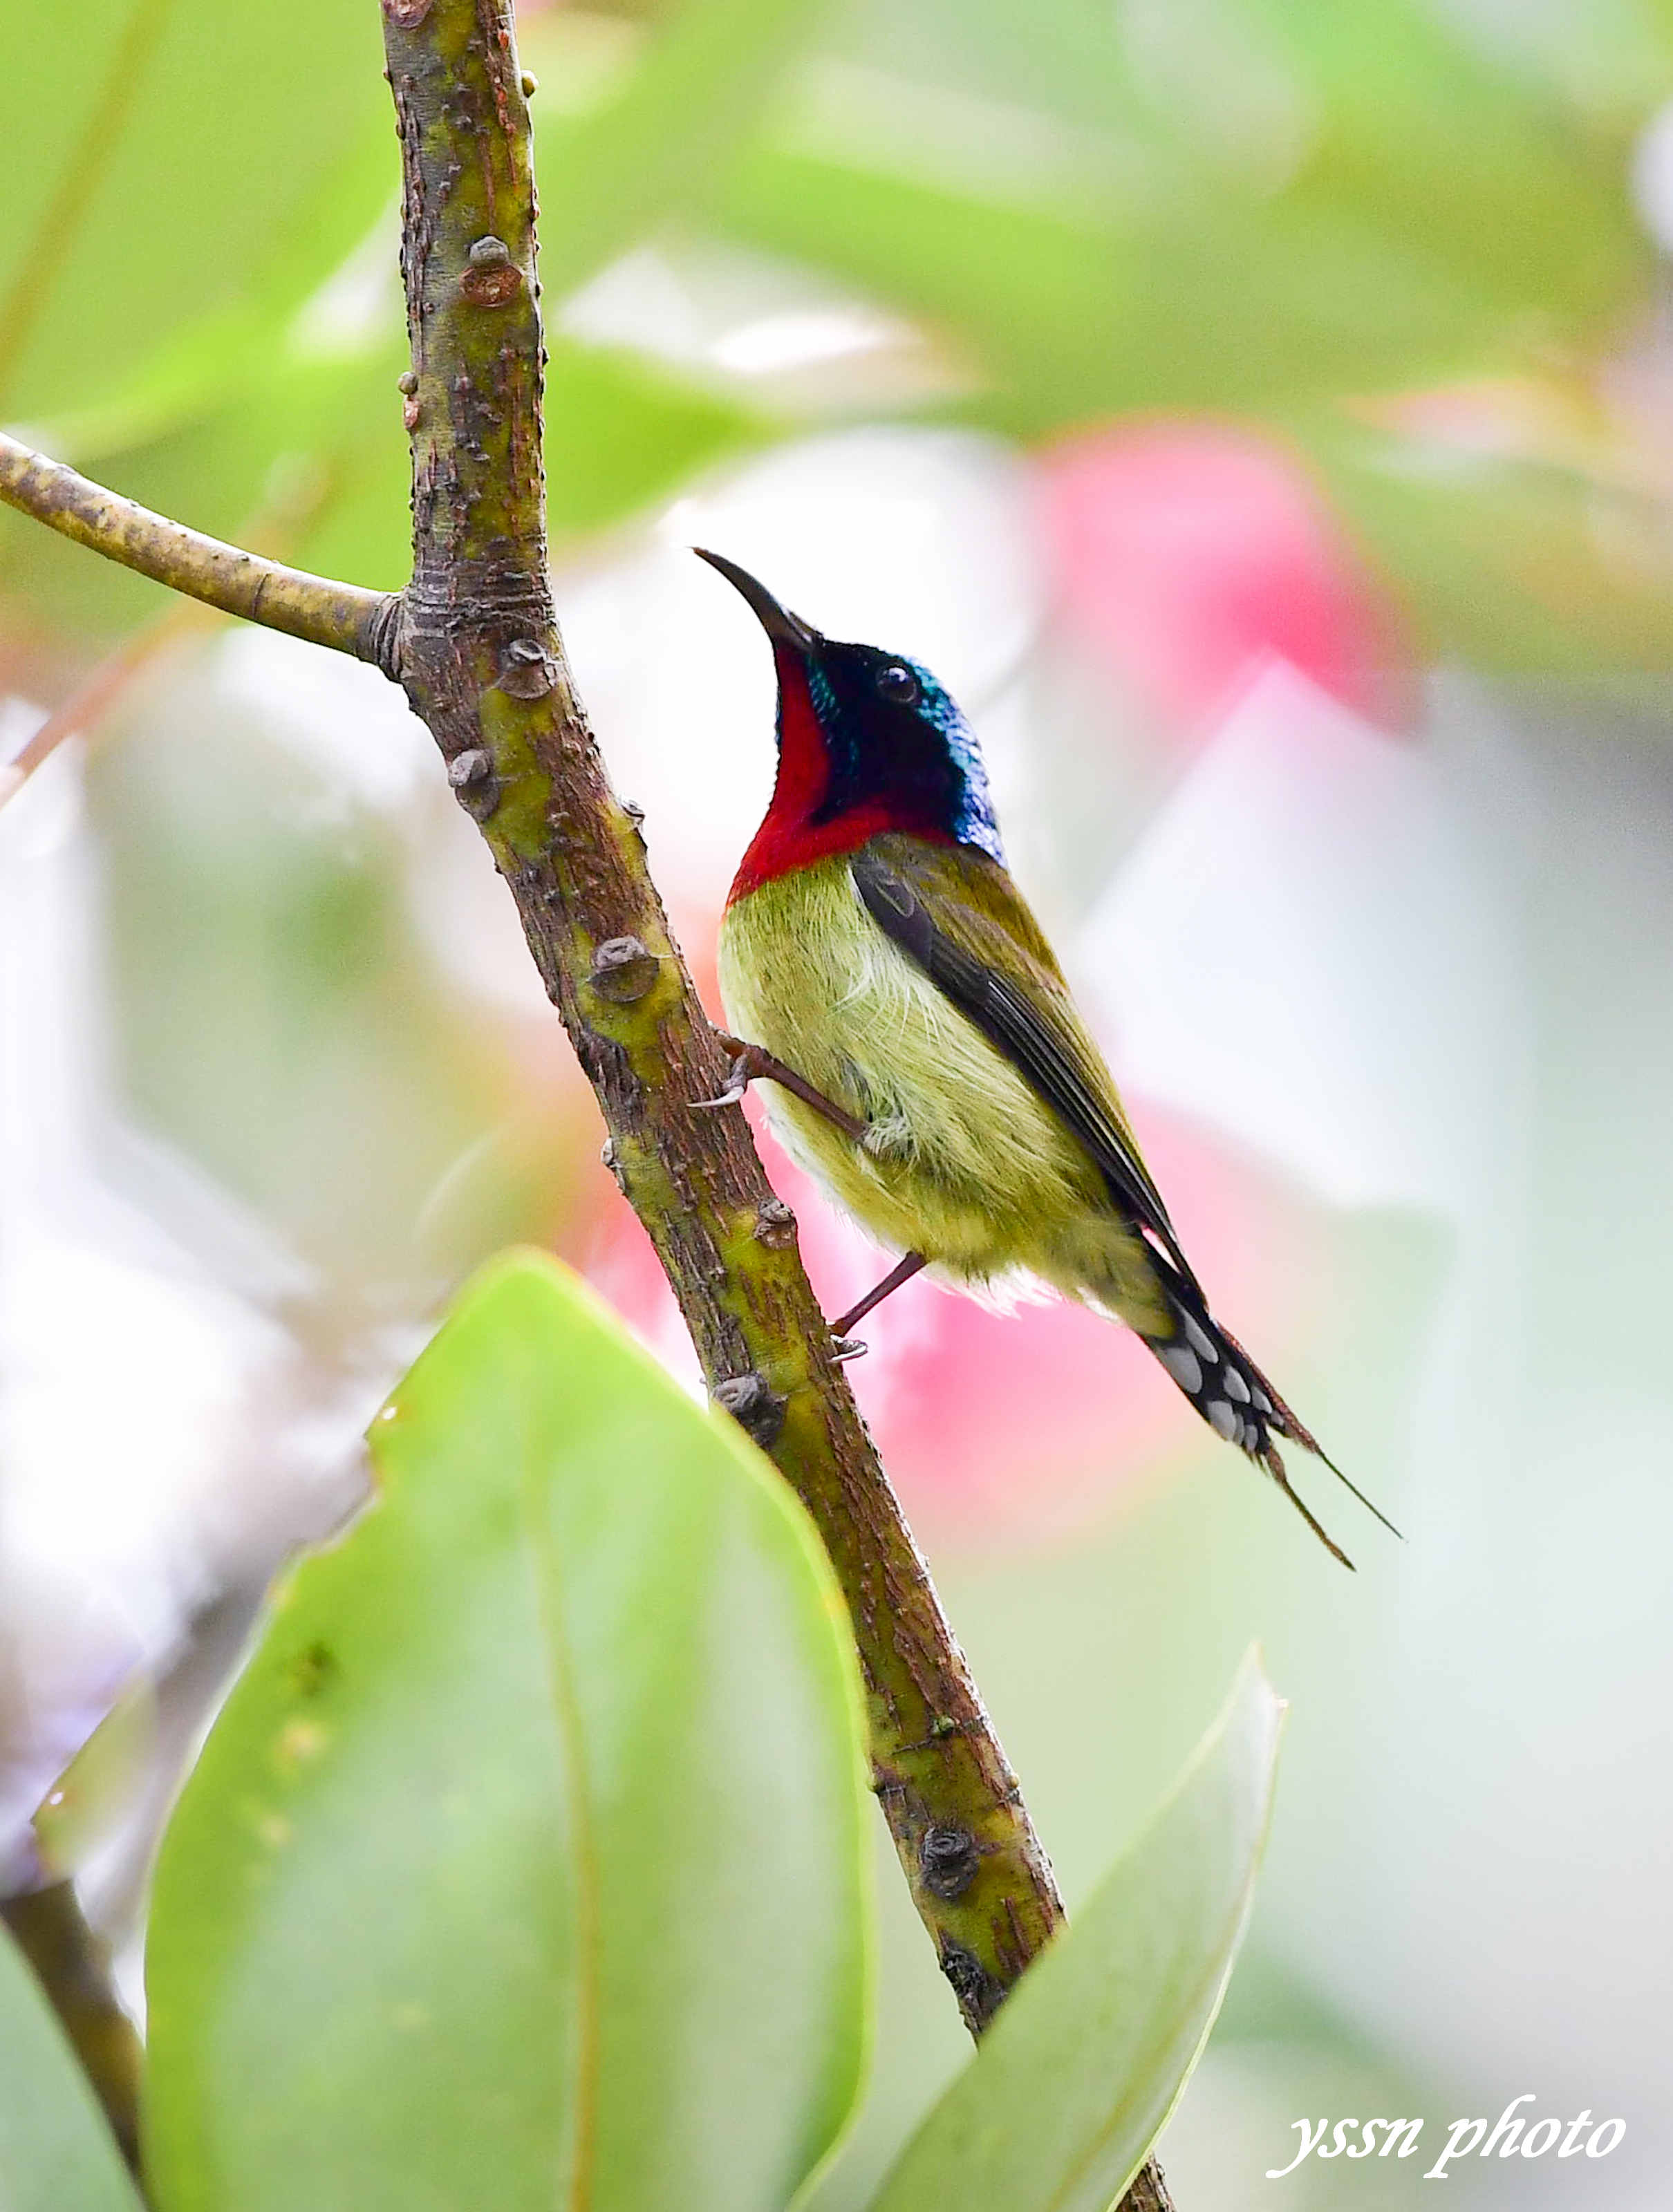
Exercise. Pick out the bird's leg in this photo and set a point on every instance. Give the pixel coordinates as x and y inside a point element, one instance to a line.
<point>753,1063</point>
<point>750,1064</point>
<point>902,1272</point>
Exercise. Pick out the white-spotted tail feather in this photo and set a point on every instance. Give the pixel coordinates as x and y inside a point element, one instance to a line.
<point>1237,1401</point>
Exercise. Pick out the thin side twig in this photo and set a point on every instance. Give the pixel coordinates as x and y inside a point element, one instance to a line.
<point>106,684</point>
<point>72,1964</point>
<point>345,617</point>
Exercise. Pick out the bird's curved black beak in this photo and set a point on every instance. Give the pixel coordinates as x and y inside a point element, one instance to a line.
<point>780,624</point>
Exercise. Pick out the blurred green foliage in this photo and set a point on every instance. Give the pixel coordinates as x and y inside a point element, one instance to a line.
<point>1273,207</point>
<point>173,191</point>
<point>1219,205</point>
<point>276,1016</point>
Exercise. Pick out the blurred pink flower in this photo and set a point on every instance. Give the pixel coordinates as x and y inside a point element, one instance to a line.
<point>1190,552</point>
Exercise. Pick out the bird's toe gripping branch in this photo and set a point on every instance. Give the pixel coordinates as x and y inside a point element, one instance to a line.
<point>751,1063</point>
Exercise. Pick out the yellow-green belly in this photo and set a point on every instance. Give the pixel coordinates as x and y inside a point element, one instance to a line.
<point>964,1163</point>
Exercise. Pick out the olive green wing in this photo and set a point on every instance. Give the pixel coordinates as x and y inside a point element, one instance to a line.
<point>957,915</point>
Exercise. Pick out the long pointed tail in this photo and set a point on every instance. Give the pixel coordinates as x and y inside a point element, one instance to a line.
<point>1236,1400</point>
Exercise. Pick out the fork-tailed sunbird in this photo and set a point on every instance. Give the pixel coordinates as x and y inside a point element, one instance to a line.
<point>930,1068</point>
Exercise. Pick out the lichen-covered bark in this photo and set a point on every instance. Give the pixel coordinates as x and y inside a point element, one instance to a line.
<point>475,643</point>
<point>479,653</point>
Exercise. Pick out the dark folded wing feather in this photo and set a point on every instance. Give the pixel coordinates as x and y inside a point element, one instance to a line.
<point>1030,1030</point>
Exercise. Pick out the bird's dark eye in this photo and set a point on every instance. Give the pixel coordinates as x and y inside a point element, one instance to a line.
<point>898,682</point>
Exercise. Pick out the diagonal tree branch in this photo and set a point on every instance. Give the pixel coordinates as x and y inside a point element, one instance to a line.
<point>474,641</point>
<point>477,649</point>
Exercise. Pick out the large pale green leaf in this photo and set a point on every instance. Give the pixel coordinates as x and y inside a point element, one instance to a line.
<point>524,1866</point>
<point>1072,2083</point>
<point>57,2154</point>
<point>173,186</point>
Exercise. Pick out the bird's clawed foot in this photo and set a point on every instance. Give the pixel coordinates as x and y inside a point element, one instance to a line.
<point>750,1064</point>
<point>737,1076</point>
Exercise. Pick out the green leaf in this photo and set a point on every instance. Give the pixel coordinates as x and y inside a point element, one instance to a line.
<point>524,1866</point>
<point>622,432</point>
<point>672,123</point>
<point>174,188</point>
<point>57,2154</point>
<point>1073,2082</point>
<point>1509,564</point>
<point>1205,202</point>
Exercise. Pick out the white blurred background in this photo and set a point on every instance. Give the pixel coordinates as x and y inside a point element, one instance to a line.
<point>1372,916</point>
